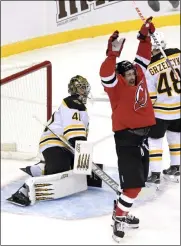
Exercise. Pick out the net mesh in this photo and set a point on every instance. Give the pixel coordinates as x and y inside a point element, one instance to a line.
<point>22,99</point>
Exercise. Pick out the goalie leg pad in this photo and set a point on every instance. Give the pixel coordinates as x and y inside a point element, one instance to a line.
<point>55,186</point>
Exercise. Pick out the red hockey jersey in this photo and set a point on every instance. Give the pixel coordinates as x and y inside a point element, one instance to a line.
<point>131,105</point>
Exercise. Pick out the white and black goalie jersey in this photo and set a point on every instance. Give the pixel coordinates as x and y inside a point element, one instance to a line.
<point>70,121</point>
<point>164,86</point>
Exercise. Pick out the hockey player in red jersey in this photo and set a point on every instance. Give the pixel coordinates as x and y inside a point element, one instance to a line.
<point>132,117</point>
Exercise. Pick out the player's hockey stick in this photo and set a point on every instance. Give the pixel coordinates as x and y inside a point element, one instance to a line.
<point>156,40</point>
<point>99,99</point>
<point>95,168</point>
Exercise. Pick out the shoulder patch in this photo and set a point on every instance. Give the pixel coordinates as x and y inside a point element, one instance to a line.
<point>73,102</point>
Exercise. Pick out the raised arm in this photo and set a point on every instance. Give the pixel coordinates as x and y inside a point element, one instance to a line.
<point>107,70</point>
<point>143,55</point>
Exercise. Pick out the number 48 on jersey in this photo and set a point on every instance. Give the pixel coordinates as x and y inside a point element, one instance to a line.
<point>168,83</point>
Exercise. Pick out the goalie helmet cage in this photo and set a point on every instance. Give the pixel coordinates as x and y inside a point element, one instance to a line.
<point>24,95</point>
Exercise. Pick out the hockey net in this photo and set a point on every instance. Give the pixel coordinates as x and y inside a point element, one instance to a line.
<point>26,93</point>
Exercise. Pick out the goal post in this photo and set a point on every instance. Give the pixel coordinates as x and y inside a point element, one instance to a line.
<point>24,94</point>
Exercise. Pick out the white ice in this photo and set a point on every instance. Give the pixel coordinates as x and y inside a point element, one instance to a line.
<point>160,219</point>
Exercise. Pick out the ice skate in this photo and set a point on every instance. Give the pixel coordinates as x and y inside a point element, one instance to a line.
<point>119,228</point>
<point>27,170</point>
<point>131,221</point>
<point>154,179</point>
<point>19,199</point>
<point>172,174</point>
<point>35,170</point>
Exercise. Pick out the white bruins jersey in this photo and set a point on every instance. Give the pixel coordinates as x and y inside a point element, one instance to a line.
<point>70,121</point>
<point>164,87</point>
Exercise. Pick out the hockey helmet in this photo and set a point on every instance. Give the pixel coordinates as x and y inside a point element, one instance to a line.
<point>124,66</point>
<point>160,37</point>
<point>79,85</point>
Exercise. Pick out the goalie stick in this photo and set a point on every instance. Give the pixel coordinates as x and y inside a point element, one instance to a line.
<point>95,168</point>
<point>155,40</point>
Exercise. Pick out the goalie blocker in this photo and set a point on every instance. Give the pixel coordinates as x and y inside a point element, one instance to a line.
<point>83,162</point>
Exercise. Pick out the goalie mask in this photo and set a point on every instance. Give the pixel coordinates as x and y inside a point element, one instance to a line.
<point>79,85</point>
<point>160,37</point>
